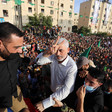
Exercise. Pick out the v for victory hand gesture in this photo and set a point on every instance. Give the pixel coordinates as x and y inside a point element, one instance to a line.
<point>53,49</point>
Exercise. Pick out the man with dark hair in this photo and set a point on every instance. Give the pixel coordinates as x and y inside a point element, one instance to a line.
<point>89,95</point>
<point>108,96</point>
<point>11,42</point>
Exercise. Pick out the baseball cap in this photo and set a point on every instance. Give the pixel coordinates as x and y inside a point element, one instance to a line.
<point>82,61</point>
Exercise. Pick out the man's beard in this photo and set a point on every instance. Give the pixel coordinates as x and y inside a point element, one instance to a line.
<point>61,59</point>
<point>4,54</point>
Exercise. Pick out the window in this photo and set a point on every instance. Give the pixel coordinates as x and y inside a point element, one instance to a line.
<point>69,21</point>
<point>93,6</point>
<point>51,12</point>
<point>70,14</point>
<point>42,10</point>
<point>61,21</point>
<point>29,1</point>
<point>92,13</point>
<point>71,0</point>
<point>68,28</point>
<point>16,8</point>
<point>91,20</point>
<point>29,9</point>
<point>52,3</point>
<point>4,1</point>
<point>61,14</point>
<point>5,13</point>
<point>42,1</point>
<point>71,7</point>
<point>62,5</point>
<point>34,9</point>
<point>99,8</point>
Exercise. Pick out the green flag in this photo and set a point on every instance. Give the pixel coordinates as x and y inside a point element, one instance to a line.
<point>31,4</point>
<point>91,17</point>
<point>7,0</point>
<point>56,8</point>
<point>81,16</point>
<point>86,52</point>
<point>18,2</point>
<point>105,68</point>
<point>42,6</point>
<point>49,7</point>
<point>64,11</point>
<point>99,43</point>
<point>22,1</point>
<point>82,35</point>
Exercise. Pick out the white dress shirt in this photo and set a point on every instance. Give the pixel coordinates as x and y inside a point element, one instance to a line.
<point>62,79</point>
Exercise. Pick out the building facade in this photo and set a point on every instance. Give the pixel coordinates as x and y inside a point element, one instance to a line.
<point>61,11</point>
<point>9,11</point>
<point>96,15</point>
<point>76,19</point>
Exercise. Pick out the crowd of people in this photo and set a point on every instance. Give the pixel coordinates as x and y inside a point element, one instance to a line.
<point>75,79</point>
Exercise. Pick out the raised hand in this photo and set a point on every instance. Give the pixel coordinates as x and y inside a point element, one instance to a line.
<point>53,49</point>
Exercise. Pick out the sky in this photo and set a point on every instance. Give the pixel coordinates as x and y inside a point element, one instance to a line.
<point>77,5</point>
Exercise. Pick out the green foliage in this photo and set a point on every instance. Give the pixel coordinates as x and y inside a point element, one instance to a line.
<point>84,30</point>
<point>102,34</point>
<point>40,20</point>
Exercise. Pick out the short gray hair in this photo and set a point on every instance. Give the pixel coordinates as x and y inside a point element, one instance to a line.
<point>66,43</point>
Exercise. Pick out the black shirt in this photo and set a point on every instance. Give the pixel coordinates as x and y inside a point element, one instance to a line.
<point>8,80</point>
<point>94,102</point>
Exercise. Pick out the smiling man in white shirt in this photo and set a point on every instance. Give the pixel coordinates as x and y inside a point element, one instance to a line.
<point>63,72</point>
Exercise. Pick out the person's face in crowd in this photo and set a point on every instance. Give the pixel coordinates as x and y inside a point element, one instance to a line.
<point>14,45</point>
<point>90,81</point>
<point>110,89</point>
<point>62,52</point>
<point>85,67</point>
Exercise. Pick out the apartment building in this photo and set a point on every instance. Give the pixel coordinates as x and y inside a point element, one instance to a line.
<point>9,11</point>
<point>96,15</point>
<point>61,11</point>
<point>76,19</point>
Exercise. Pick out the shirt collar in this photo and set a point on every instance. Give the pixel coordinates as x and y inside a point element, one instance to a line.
<point>65,61</point>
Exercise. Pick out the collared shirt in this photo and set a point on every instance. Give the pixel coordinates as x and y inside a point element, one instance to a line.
<point>62,79</point>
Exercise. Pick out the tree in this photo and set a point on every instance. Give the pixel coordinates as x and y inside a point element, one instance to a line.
<point>38,21</point>
<point>102,34</point>
<point>84,30</point>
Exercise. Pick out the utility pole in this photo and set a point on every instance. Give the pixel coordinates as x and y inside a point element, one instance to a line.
<point>19,16</point>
